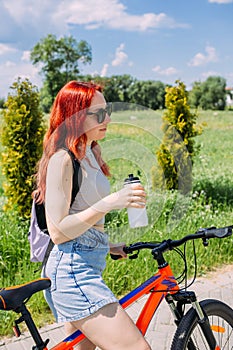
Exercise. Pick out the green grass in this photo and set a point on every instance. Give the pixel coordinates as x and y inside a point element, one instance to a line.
<point>130,146</point>
<point>171,215</point>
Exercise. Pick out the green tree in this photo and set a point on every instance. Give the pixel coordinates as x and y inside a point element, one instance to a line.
<point>60,60</point>
<point>195,94</point>
<point>148,93</point>
<point>22,136</point>
<point>213,93</point>
<point>176,153</point>
<point>115,88</point>
<point>125,88</point>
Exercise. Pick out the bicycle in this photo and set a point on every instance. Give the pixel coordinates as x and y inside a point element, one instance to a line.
<point>207,324</point>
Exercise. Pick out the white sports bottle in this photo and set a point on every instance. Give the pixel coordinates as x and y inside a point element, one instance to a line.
<point>137,216</point>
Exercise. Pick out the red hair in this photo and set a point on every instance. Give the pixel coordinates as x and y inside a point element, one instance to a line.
<point>66,128</point>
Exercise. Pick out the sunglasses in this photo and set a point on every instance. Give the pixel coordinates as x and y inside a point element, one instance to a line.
<point>102,112</point>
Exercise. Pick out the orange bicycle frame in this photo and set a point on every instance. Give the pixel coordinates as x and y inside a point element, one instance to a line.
<point>158,286</point>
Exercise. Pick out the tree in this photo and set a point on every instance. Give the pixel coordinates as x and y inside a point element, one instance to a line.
<point>22,136</point>
<point>195,94</point>
<point>176,153</point>
<point>60,62</point>
<point>125,88</point>
<point>148,93</point>
<point>213,93</point>
<point>115,88</point>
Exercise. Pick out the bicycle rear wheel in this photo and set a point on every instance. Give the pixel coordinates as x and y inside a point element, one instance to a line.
<point>189,335</point>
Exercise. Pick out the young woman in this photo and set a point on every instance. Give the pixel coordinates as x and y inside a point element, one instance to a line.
<point>78,295</point>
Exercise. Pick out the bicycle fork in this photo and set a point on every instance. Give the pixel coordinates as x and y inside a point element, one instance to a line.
<point>188,297</point>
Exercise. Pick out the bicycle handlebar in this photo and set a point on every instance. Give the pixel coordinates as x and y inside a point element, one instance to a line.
<point>204,233</point>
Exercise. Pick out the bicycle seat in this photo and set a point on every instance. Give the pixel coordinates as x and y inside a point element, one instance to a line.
<point>13,297</point>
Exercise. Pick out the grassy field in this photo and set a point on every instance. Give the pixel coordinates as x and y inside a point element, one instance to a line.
<point>130,146</point>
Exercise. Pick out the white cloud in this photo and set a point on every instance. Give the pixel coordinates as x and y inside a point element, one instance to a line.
<point>26,56</point>
<point>10,64</point>
<point>222,1</point>
<point>167,71</point>
<point>33,18</point>
<point>58,15</point>
<point>104,70</point>
<point>200,59</point>
<point>28,10</point>
<point>10,71</point>
<point>5,49</point>
<point>119,59</point>
<point>109,14</point>
<point>205,75</point>
<point>120,56</point>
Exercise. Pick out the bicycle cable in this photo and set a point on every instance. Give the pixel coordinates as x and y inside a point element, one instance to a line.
<point>183,276</point>
<point>186,267</point>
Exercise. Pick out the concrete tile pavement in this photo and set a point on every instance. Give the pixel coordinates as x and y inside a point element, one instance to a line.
<point>218,285</point>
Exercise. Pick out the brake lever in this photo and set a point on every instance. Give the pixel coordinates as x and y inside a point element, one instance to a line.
<point>117,257</point>
<point>134,256</point>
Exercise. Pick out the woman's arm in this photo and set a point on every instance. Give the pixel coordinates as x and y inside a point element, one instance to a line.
<point>64,227</point>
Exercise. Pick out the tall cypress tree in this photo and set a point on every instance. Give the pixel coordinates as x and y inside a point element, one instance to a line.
<point>177,150</point>
<point>22,137</point>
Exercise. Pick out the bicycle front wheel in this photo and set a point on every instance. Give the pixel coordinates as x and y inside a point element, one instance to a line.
<point>189,335</point>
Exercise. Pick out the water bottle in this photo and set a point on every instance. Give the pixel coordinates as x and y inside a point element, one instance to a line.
<point>137,216</point>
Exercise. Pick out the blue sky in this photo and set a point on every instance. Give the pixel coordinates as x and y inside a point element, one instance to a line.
<point>151,39</point>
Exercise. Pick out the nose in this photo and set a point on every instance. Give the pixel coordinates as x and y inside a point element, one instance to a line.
<point>107,119</point>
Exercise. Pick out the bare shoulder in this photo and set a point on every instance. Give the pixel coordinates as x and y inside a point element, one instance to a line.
<point>61,159</point>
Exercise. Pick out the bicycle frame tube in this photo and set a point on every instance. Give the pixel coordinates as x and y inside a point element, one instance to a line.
<point>157,286</point>
<point>70,341</point>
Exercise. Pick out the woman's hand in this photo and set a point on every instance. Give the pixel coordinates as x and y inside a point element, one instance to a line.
<point>130,196</point>
<point>117,249</point>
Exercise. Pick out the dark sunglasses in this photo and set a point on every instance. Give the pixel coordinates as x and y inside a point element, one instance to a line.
<point>102,112</point>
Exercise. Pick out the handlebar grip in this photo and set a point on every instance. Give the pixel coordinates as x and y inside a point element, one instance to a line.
<point>219,232</point>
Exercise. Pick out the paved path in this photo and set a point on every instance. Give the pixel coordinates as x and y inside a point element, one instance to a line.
<point>217,285</point>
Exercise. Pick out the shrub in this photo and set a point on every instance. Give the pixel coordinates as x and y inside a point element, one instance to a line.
<point>176,152</point>
<point>22,136</point>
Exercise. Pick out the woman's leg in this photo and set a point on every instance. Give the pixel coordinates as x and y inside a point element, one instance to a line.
<point>85,344</point>
<point>110,328</point>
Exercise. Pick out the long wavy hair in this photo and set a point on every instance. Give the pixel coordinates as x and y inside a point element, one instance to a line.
<point>66,129</point>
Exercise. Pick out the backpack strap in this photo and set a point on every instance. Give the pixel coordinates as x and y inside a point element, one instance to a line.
<point>76,182</point>
<point>77,176</point>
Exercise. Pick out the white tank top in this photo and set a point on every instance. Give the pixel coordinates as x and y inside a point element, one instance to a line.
<point>94,186</point>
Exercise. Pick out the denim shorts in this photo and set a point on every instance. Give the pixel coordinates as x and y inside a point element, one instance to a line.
<point>75,269</point>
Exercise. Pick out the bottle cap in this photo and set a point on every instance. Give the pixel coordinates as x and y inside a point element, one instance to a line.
<point>131,178</point>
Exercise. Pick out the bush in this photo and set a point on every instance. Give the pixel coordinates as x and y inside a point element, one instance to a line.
<point>22,136</point>
<point>176,153</point>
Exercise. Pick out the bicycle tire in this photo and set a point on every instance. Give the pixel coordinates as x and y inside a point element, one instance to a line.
<point>189,335</point>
